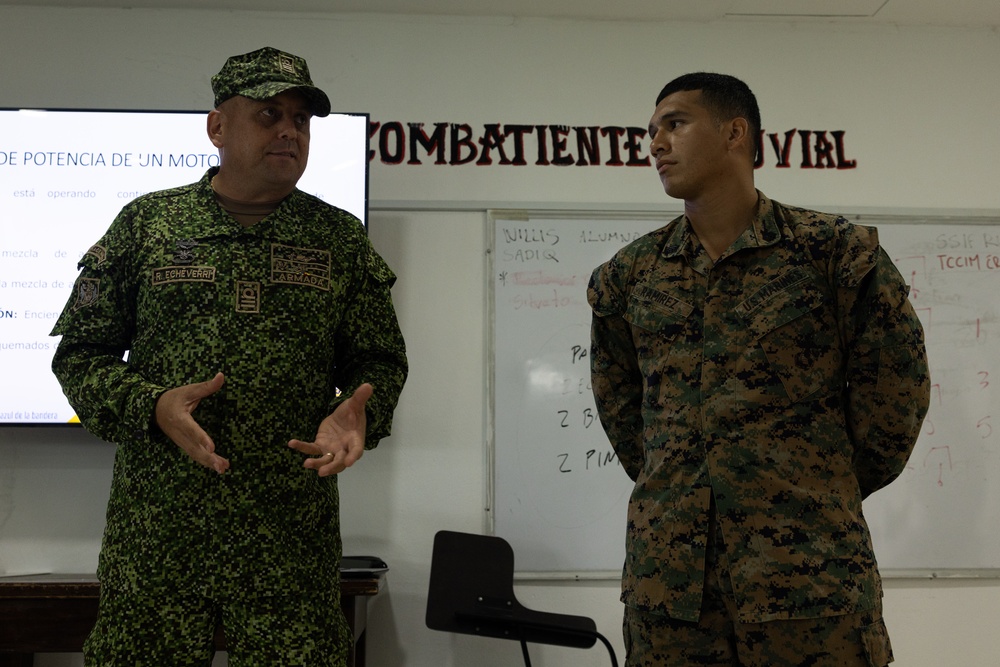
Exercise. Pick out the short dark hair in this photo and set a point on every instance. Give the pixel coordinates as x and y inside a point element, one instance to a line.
<point>725,97</point>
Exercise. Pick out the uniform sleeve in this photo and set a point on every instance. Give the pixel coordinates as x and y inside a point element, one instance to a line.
<point>370,346</point>
<point>97,325</point>
<point>888,384</point>
<point>614,368</point>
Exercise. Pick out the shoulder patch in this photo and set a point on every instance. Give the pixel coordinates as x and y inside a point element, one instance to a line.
<point>98,252</point>
<point>87,292</point>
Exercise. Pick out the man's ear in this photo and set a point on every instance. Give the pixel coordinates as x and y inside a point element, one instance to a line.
<point>215,122</point>
<point>739,132</point>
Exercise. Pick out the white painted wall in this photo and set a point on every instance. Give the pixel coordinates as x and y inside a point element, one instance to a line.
<point>918,106</point>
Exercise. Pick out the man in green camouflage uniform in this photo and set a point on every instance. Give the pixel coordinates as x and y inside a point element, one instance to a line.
<point>759,371</point>
<point>264,357</point>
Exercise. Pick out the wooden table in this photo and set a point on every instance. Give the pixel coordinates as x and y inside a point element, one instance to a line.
<point>53,613</point>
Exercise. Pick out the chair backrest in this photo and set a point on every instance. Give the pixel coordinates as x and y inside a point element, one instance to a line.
<point>471,591</point>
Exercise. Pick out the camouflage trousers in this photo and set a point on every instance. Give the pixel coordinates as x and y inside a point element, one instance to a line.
<point>145,631</point>
<point>719,640</point>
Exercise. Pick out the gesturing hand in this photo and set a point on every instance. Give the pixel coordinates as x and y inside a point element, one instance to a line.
<point>340,439</point>
<point>174,417</point>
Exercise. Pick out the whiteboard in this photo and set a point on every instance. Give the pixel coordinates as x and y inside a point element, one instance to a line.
<point>942,514</point>
<point>558,494</point>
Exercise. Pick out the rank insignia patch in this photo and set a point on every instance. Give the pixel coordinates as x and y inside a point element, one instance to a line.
<point>247,296</point>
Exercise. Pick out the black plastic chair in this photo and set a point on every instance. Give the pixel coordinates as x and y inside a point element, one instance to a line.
<point>472,592</point>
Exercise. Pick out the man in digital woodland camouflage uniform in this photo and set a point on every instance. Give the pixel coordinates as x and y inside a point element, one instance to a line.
<point>244,304</point>
<point>759,372</point>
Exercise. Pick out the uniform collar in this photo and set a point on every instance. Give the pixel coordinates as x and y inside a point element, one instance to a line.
<point>764,230</point>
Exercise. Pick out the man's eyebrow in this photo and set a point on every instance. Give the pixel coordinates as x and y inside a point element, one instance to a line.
<point>668,115</point>
<point>673,113</point>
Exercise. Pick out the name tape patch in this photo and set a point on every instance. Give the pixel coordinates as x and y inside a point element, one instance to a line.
<point>183,274</point>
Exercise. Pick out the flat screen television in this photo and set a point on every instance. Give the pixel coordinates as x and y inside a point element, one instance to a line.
<point>65,175</point>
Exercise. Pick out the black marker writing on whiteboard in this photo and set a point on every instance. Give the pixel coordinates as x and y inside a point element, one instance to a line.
<point>589,460</point>
<point>530,235</point>
<point>586,418</point>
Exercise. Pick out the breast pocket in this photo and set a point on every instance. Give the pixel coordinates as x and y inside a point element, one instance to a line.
<point>658,321</point>
<point>797,332</point>
<point>656,313</point>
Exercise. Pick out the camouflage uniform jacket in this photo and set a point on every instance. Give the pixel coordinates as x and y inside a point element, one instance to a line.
<point>789,380</point>
<point>288,309</point>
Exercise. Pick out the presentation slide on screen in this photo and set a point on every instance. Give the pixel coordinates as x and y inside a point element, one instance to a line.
<point>65,175</point>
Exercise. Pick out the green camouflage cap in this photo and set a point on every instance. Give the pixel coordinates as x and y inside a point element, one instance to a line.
<point>264,73</point>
